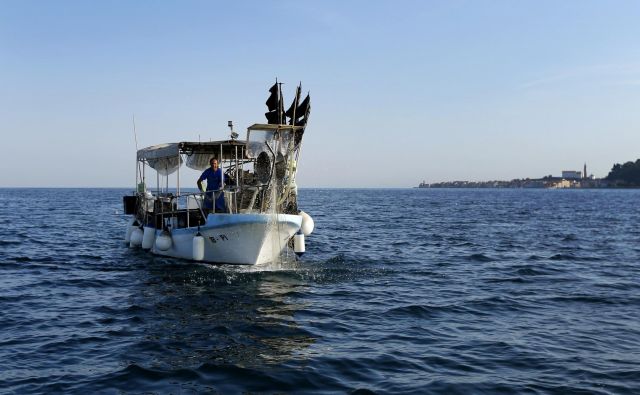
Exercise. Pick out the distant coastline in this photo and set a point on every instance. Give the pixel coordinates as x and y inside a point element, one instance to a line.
<point>626,175</point>
<point>541,183</point>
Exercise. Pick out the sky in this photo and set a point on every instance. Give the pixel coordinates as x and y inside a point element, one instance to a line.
<point>401,91</point>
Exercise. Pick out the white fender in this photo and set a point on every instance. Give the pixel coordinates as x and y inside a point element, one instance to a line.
<point>148,237</point>
<point>136,238</point>
<point>298,244</point>
<point>198,247</point>
<point>307,223</point>
<point>133,225</point>
<point>164,242</point>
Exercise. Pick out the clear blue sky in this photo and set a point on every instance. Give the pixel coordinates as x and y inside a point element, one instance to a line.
<point>402,91</point>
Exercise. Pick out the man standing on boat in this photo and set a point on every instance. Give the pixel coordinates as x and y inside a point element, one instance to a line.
<point>215,182</point>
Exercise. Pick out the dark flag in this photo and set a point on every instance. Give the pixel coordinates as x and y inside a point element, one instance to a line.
<point>275,104</point>
<point>272,117</point>
<point>302,115</point>
<point>272,101</point>
<point>291,112</point>
<point>302,112</point>
<point>276,116</point>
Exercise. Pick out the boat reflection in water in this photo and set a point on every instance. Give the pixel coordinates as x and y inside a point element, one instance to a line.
<point>200,317</point>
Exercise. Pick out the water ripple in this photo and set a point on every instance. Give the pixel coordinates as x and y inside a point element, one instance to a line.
<point>451,291</point>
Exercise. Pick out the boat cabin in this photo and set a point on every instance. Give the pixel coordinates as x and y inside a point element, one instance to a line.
<point>259,177</point>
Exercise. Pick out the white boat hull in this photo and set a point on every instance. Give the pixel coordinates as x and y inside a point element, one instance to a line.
<point>241,239</point>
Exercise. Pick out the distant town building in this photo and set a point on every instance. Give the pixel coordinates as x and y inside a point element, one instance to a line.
<point>569,179</point>
<point>560,183</point>
<point>571,174</point>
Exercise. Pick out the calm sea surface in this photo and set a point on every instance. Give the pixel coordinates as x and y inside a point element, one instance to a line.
<point>401,291</point>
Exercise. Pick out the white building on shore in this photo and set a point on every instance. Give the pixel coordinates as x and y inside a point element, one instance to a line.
<point>571,174</point>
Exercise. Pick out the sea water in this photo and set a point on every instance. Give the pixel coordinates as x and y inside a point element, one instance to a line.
<point>400,291</point>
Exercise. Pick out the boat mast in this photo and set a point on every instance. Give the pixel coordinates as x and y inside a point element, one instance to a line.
<point>280,104</point>
<point>178,174</point>
<point>220,161</point>
<point>135,188</point>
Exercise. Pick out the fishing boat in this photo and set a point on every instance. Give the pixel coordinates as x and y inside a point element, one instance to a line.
<point>251,218</point>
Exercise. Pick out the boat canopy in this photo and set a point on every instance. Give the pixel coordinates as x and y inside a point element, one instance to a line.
<point>274,127</point>
<point>167,158</point>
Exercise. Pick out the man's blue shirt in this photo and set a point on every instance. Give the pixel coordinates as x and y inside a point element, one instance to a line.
<point>214,178</point>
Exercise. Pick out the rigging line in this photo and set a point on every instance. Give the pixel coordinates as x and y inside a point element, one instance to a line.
<point>135,135</point>
<point>135,138</point>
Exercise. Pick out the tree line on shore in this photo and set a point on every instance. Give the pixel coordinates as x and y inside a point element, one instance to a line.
<point>626,174</point>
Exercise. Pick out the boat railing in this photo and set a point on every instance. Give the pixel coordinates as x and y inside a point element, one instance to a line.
<point>189,209</point>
